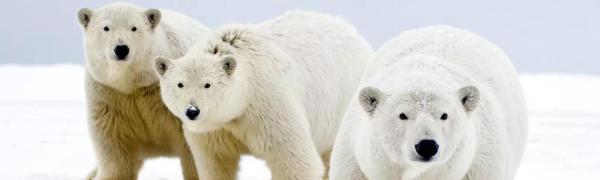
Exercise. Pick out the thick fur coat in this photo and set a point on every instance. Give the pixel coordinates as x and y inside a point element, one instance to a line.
<point>276,90</point>
<point>443,86</point>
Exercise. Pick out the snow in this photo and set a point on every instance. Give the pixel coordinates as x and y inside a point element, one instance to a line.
<point>43,128</point>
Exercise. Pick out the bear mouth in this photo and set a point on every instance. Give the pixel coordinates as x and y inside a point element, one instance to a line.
<point>414,157</point>
<point>119,59</point>
<point>424,159</point>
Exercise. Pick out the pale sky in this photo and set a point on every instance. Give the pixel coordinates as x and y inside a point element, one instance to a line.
<point>539,35</point>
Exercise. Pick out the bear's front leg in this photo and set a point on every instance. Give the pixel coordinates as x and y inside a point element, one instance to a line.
<point>216,154</point>
<point>187,164</point>
<point>117,154</point>
<point>117,162</point>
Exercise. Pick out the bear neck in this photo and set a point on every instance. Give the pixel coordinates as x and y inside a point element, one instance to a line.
<point>103,91</point>
<point>234,105</point>
<point>236,100</point>
<point>126,83</point>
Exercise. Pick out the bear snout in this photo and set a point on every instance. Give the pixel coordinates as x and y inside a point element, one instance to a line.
<point>121,52</point>
<point>426,149</point>
<point>192,112</point>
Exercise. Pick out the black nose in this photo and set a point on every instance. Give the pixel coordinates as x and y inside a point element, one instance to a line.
<point>192,112</point>
<point>121,51</point>
<point>427,149</point>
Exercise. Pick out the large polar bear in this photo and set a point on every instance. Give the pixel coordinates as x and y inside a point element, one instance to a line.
<point>436,103</point>
<point>127,119</point>
<point>277,90</point>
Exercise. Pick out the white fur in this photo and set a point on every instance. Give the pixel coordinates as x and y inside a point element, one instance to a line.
<point>283,102</point>
<point>419,73</point>
<point>172,37</point>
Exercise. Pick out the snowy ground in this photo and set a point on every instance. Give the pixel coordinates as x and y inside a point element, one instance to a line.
<point>43,131</point>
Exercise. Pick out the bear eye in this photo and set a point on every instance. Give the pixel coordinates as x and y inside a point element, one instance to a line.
<point>444,116</point>
<point>106,28</point>
<point>403,116</point>
<point>180,85</point>
<point>206,86</point>
<point>134,29</point>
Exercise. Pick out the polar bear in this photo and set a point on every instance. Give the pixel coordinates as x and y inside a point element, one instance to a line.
<point>128,121</point>
<point>276,90</point>
<point>435,103</point>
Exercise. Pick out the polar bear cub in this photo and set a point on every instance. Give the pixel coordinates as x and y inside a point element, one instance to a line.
<point>128,121</point>
<point>276,90</point>
<point>436,103</point>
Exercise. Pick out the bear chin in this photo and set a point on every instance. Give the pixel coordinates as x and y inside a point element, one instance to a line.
<point>202,126</point>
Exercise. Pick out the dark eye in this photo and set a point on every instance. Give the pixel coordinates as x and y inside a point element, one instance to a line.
<point>403,116</point>
<point>444,116</point>
<point>106,28</point>
<point>134,29</point>
<point>206,86</point>
<point>180,85</point>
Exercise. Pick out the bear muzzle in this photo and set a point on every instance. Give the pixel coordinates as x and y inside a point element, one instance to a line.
<point>426,149</point>
<point>121,52</point>
<point>192,112</point>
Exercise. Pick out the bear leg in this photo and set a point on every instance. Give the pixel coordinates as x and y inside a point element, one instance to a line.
<point>91,175</point>
<point>119,165</point>
<point>325,157</point>
<point>187,165</point>
<point>296,161</point>
<point>216,154</point>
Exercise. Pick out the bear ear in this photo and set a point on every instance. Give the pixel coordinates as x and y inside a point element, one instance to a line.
<point>84,15</point>
<point>370,98</point>
<point>229,64</point>
<point>161,64</point>
<point>153,17</point>
<point>469,97</point>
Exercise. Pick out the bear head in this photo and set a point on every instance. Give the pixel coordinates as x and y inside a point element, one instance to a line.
<point>419,124</point>
<point>204,90</point>
<point>119,41</point>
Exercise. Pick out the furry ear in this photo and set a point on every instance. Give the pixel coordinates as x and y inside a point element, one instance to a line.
<point>161,64</point>
<point>370,98</point>
<point>229,64</point>
<point>84,15</point>
<point>153,17</point>
<point>469,97</point>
